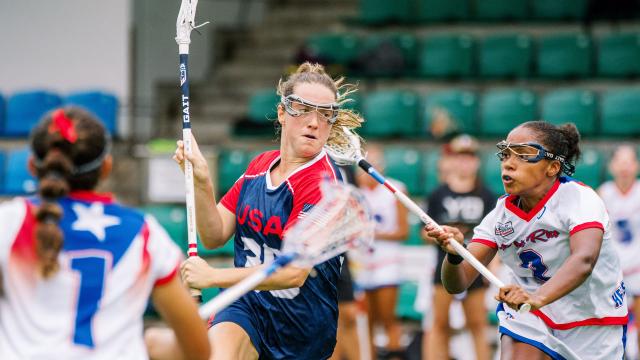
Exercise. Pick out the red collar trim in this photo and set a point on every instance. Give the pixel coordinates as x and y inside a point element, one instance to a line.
<point>527,216</point>
<point>87,195</point>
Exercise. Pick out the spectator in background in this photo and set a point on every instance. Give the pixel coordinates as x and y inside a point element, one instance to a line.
<point>621,196</point>
<point>380,273</point>
<point>462,201</point>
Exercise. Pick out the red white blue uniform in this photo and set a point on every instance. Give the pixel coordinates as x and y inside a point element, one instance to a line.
<point>297,323</point>
<point>92,308</point>
<point>534,245</point>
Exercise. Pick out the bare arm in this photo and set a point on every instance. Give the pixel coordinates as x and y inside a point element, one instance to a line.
<point>179,311</point>
<point>215,223</point>
<point>402,232</point>
<point>198,274</point>
<point>585,249</point>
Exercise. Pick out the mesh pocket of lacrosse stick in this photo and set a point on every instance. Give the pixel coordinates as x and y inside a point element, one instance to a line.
<point>339,222</point>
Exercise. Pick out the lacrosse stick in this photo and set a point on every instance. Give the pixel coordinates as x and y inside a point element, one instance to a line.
<point>339,222</point>
<point>184,25</point>
<point>350,153</point>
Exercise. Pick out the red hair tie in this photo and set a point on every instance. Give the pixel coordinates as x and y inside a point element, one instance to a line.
<point>63,125</point>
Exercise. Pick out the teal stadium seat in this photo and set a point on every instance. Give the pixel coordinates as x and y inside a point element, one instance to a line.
<point>263,106</point>
<point>25,109</point>
<point>355,102</point>
<point>506,55</point>
<point>227,250</point>
<point>383,11</point>
<point>590,168</point>
<point>498,10</point>
<point>231,164</point>
<point>405,164</point>
<point>502,110</point>
<point>619,55</point>
<point>173,219</point>
<point>442,10</point>
<point>335,48</point>
<point>17,178</point>
<point>415,228</point>
<point>3,111</point>
<point>103,105</point>
<point>559,10</point>
<point>431,175</point>
<point>620,112</point>
<point>407,294</point>
<point>449,55</point>
<point>461,107</point>
<point>490,171</point>
<point>578,106</point>
<point>565,55</point>
<point>390,113</point>
<point>405,42</point>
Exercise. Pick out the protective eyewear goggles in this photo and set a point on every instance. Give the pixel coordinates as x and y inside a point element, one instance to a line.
<point>531,153</point>
<point>297,106</point>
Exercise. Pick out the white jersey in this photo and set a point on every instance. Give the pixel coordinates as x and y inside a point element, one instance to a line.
<point>624,211</point>
<point>382,267</point>
<point>92,308</point>
<point>535,245</point>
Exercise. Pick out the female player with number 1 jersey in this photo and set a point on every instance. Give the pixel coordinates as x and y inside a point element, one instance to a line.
<point>553,233</point>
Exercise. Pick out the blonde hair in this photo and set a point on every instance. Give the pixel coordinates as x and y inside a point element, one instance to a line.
<point>316,74</point>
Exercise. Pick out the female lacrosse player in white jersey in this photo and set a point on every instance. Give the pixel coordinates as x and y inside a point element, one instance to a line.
<point>622,198</point>
<point>553,234</point>
<point>291,315</point>
<point>76,267</point>
<point>379,274</point>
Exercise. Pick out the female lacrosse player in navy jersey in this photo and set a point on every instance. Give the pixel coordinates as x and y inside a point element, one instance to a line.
<point>76,267</point>
<point>291,315</point>
<point>553,233</point>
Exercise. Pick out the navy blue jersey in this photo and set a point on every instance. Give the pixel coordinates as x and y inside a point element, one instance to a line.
<point>292,323</point>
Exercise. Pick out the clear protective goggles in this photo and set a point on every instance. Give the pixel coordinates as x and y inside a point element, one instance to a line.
<point>296,106</point>
<point>531,153</point>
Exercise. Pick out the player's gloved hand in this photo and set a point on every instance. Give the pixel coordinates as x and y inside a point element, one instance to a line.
<point>196,273</point>
<point>514,296</point>
<point>442,238</point>
<point>200,166</point>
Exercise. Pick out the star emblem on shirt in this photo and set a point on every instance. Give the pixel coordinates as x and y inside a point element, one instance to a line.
<point>92,218</point>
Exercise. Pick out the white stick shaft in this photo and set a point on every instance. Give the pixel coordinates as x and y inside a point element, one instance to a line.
<point>232,294</point>
<point>190,200</point>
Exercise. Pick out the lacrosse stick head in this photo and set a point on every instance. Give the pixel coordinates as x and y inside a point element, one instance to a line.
<point>339,222</point>
<point>186,21</point>
<point>348,152</point>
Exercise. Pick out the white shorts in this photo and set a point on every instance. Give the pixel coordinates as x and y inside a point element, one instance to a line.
<point>579,343</point>
<point>380,267</point>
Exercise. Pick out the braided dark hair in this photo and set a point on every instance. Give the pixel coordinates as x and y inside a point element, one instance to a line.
<point>561,140</point>
<point>69,146</point>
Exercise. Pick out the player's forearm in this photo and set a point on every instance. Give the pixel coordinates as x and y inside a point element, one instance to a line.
<point>454,278</point>
<point>208,220</point>
<point>285,278</point>
<point>575,270</point>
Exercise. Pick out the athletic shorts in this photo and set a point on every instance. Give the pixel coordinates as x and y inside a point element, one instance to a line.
<point>579,343</point>
<point>381,267</point>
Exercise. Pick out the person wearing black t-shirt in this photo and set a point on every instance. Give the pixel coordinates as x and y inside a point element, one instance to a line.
<point>461,201</point>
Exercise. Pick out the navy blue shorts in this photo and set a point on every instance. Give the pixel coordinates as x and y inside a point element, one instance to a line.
<point>237,314</point>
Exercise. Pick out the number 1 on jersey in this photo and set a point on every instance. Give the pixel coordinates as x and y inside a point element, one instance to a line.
<point>92,273</point>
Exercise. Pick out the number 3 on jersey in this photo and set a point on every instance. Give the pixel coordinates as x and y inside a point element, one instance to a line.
<point>266,253</point>
<point>533,261</point>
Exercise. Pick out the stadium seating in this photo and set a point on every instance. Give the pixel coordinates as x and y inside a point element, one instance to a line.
<point>173,219</point>
<point>3,110</point>
<point>559,10</point>
<point>231,164</point>
<point>460,106</point>
<point>490,171</point>
<point>263,106</point>
<point>619,55</point>
<point>226,250</point>
<point>101,104</point>
<point>406,298</point>
<point>449,55</point>
<point>384,11</point>
<point>502,110</point>
<point>404,164</point>
<point>442,10</point>
<point>390,113</point>
<point>572,105</point>
<point>590,167</point>
<point>430,170</point>
<point>17,179</point>
<point>565,55</point>
<point>501,9</point>
<point>334,48</point>
<point>620,112</point>
<point>25,109</point>
<point>387,54</point>
<point>506,55</point>
<point>415,227</point>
